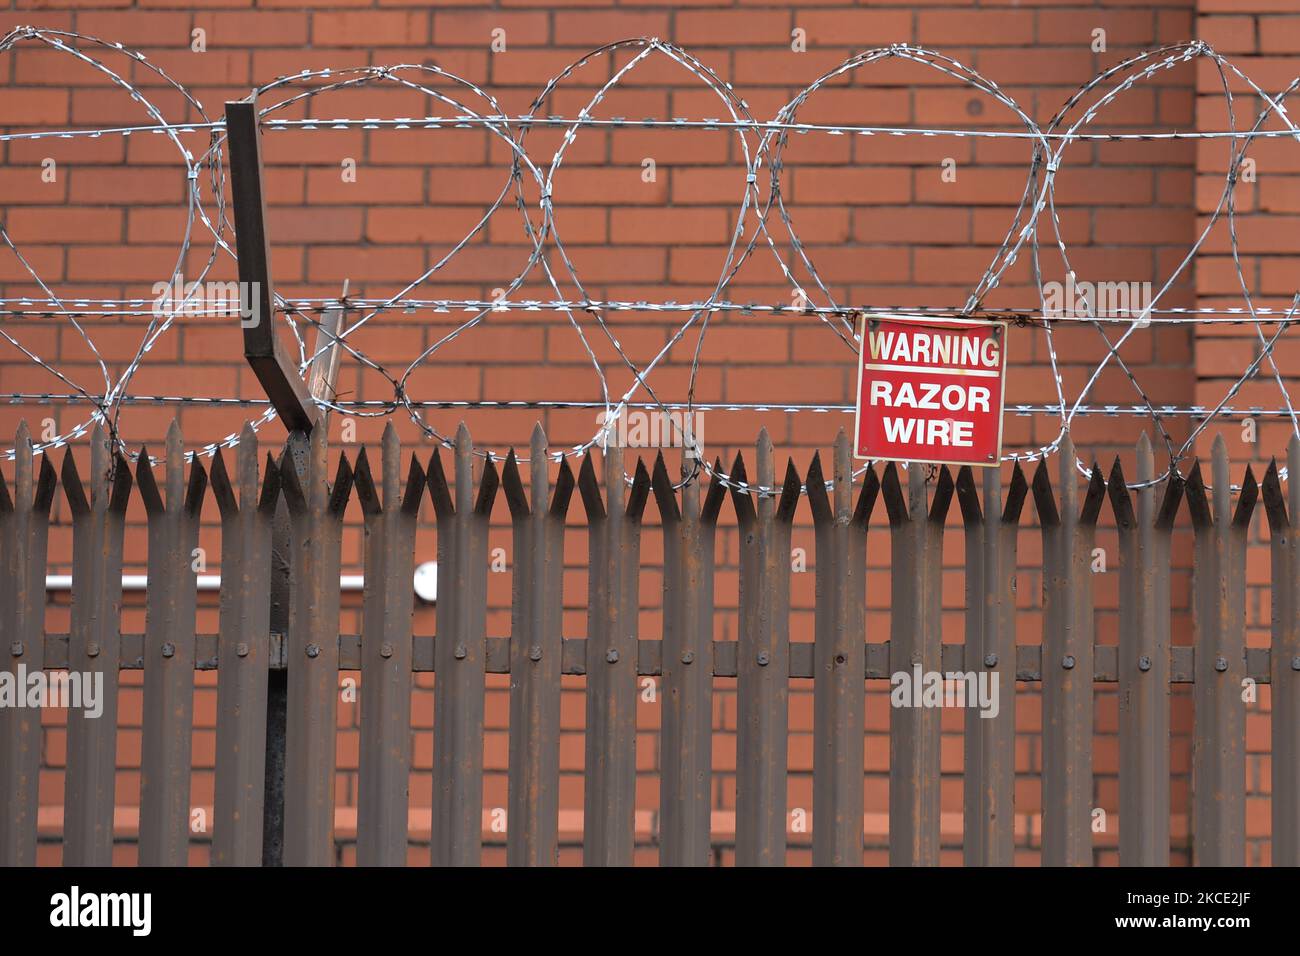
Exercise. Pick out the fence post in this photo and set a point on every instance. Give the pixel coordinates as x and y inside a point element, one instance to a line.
<point>914,654</point>
<point>294,400</point>
<point>1284,658</point>
<point>839,657</point>
<point>24,534</point>
<point>989,781</point>
<point>614,535</point>
<point>297,449</point>
<point>98,526</point>
<point>459,652</point>
<point>536,649</point>
<point>1144,645</point>
<point>763,657</point>
<point>169,654</point>
<point>686,734</point>
<point>1219,607</point>
<point>385,762</point>
<point>243,653</point>
<point>312,653</point>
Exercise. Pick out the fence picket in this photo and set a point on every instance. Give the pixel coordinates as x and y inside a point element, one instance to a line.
<point>1219,608</point>
<point>243,653</point>
<point>385,759</point>
<point>459,653</point>
<point>94,648</point>
<point>992,533</point>
<point>311,720</point>
<point>614,536</point>
<point>24,535</point>
<point>1067,665</point>
<point>1144,646</point>
<point>763,658</point>
<point>914,652</point>
<point>536,651</point>
<point>686,746</point>
<point>169,654</point>
<point>839,657</point>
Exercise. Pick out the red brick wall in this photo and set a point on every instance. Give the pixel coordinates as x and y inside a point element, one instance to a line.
<point>874,212</point>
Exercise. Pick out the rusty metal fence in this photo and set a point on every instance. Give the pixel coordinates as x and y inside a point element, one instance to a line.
<point>252,650</point>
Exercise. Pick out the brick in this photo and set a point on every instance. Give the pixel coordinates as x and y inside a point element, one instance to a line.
<point>672,226</point>
<point>1248,6</point>
<point>128,185</point>
<point>373,28</point>
<point>39,107</point>
<point>856,186</point>
<point>1229,34</point>
<point>461,28</point>
<point>732,28</point>
<point>1074,28</point>
<point>860,27</point>
<point>254,28</point>
<point>64,225</point>
<point>593,29</point>
<point>372,185</point>
<point>1143,227</point>
<point>138,29</point>
<point>973,28</point>
<point>1277,34</point>
<point>978,186</point>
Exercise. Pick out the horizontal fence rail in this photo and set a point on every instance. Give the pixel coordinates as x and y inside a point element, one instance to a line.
<point>763,660</point>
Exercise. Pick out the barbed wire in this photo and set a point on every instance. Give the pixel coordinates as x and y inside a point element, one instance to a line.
<point>1024,410</point>
<point>762,215</point>
<point>134,308</point>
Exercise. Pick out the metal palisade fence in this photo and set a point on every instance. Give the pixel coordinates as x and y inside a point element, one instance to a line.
<point>279,627</point>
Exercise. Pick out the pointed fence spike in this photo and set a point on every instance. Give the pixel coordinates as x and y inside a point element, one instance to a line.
<point>195,488</point>
<point>843,472</point>
<point>439,490</point>
<point>365,485</point>
<point>271,485</point>
<point>589,489</point>
<point>564,485</point>
<point>222,490</point>
<point>1016,494</point>
<point>967,497</point>
<point>716,495</point>
<point>415,485</point>
<point>1221,478</point>
<point>148,483</point>
<point>665,495</point>
<point>513,487</point>
<point>892,490</point>
<point>538,478</point>
<point>818,500</point>
<point>392,459</point>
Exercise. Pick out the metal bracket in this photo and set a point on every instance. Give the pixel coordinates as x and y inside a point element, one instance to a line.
<point>276,373</point>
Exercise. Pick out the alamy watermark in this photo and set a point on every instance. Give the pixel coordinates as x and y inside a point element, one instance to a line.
<point>75,690</point>
<point>179,297</point>
<point>917,688</point>
<point>1088,300</point>
<point>645,428</point>
<point>75,909</point>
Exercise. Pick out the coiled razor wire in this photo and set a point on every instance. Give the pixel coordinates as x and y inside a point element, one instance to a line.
<point>761,145</point>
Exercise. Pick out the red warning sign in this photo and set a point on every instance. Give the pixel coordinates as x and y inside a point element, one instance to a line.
<point>930,389</point>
